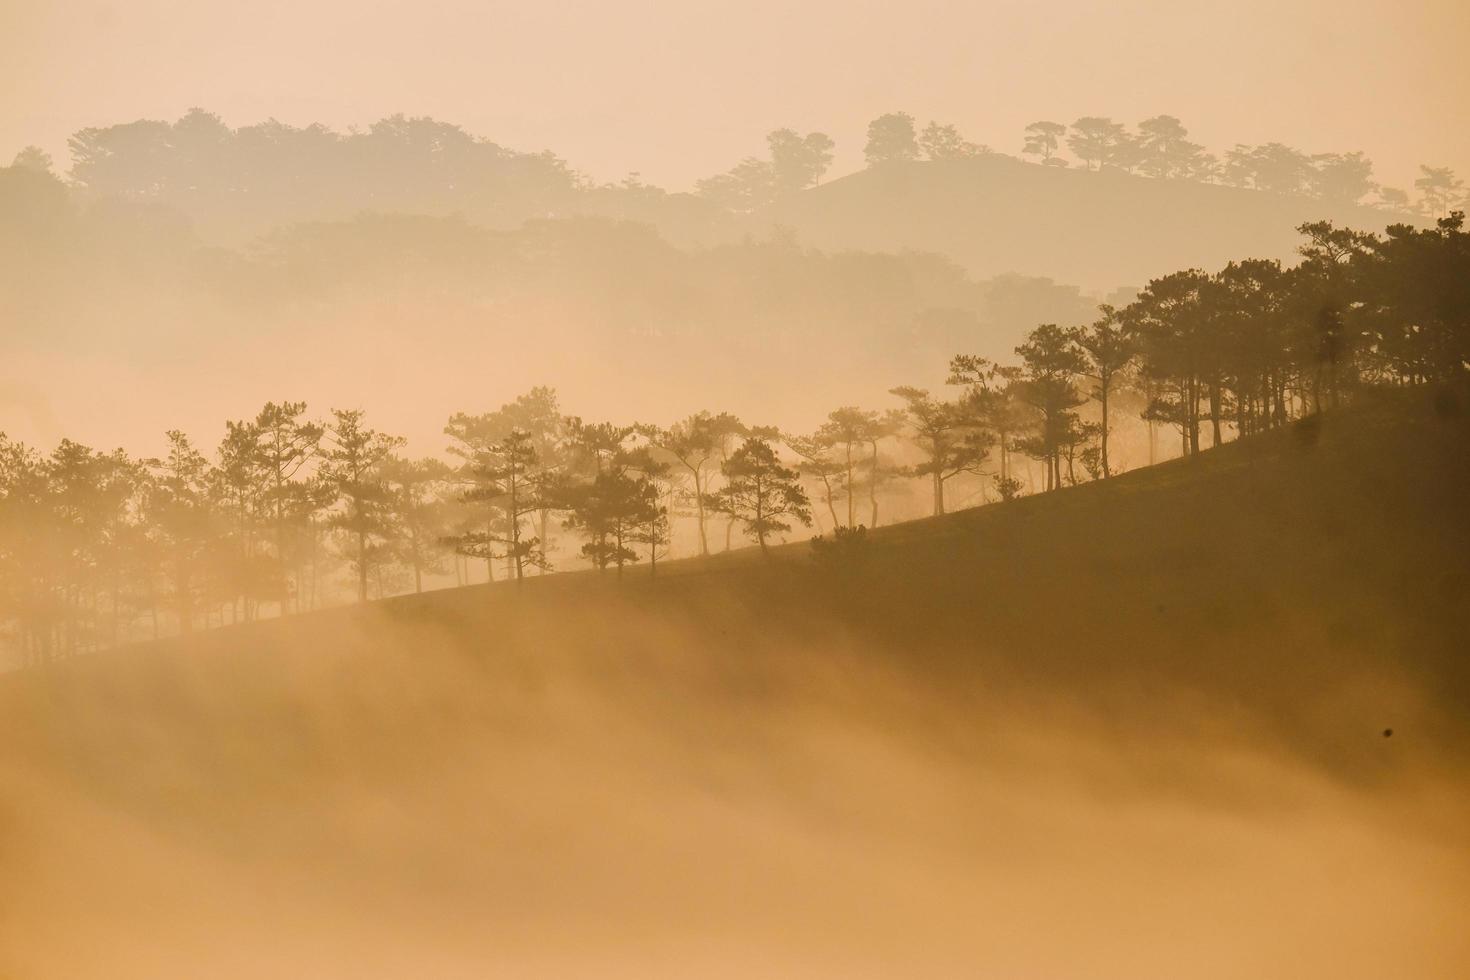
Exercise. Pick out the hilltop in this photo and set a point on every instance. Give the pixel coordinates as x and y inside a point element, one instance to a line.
<point>995,214</point>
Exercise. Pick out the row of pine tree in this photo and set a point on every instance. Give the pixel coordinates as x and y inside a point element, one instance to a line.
<point>290,512</point>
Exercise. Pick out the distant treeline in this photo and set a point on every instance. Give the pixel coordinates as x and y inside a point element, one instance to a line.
<point>1159,148</point>
<point>128,282</point>
<point>422,165</point>
<point>97,548</point>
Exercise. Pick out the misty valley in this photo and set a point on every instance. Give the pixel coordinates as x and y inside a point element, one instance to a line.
<point>890,557</point>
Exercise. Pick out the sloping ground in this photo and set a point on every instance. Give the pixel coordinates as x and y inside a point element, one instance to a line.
<point>1125,730</point>
<point>996,214</point>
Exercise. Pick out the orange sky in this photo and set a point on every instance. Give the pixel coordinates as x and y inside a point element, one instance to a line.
<point>678,89</point>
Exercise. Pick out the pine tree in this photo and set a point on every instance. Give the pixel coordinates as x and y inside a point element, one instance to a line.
<point>353,467</point>
<point>760,493</point>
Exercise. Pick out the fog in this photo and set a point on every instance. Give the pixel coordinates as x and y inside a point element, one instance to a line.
<point>692,490</point>
<point>612,792</point>
<point>991,744</point>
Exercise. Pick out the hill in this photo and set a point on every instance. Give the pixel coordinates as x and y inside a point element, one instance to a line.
<point>1132,729</point>
<point>996,214</point>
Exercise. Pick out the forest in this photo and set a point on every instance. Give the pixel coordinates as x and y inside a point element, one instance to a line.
<point>423,165</point>
<point>293,510</point>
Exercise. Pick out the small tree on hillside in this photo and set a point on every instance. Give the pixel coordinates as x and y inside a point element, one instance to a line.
<point>798,162</point>
<point>878,429</point>
<point>612,511</point>
<point>512,479</point>
<point>946,435</point>
<point>285,443</point>
<point>1052,360</point>
<point>760,493</point>
<point>846,430</point>
<point>1109,349</point>
<point>654,529</point>
<point>353,467</point>
<point>992,403</point>
<point>416,490</point>
<point>817,464</point>
<point>1043,139</point>
<point>536,414</point>
<point>695,444</point>
<point>239,488</point>
<point>1094,139</point>
<point>728,431</point>
<point>179,513</point>
<point>944,142</point>
<point>891,139</point>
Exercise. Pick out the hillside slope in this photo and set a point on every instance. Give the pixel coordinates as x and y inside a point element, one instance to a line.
<point>1125,730</point>
<point>995,214</point>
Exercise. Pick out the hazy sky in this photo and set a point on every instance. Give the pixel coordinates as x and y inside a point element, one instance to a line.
<point>678,89</point>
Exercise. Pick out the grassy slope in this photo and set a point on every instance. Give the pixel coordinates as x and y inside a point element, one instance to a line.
<point>1274,572</point>
<point>989,700</point>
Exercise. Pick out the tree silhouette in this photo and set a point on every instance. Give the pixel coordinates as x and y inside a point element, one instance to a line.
<point>760,493</point>
<point>817,463</point>
<point>878,429</point>
<point>1342,178</point>
<point>1094,139</point>
<point>181,519</point>
<point>945,433</point>
<point>1439,188</point>
<point>728,431</point>
<point>353,466</point>
<point>1109,350</point>
<point>1272,167</point>
<point>618,508</point>
<point>284,444</point>
<point>1166,152</point>
<point>798,162</point>
<point>695,444</point>
<point>536,414</point>
<point>846,429</point>
<point>1043,139</point>
<point>33,158</point>
<point>653,528</point>
<point>992,401</point>
<point>891,140</point>
<point>1171,320</point>
<point>944,142</point>
<point>1051,360</point>
<point>416,489</point>
<point>239,488</point>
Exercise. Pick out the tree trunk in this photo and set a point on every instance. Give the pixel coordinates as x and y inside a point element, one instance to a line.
<point>699,512</point>
<point>827,484</point>
<point>850,500</point>
<point>362,572</point>
<point>1192,410</point>
<point>873,486</point>
<point>1215,413</point>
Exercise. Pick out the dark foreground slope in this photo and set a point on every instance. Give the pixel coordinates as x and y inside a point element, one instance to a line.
<point>1131,730</point>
